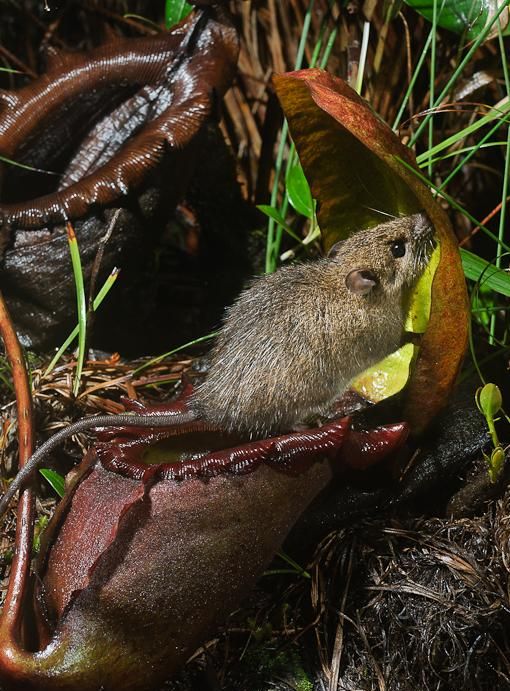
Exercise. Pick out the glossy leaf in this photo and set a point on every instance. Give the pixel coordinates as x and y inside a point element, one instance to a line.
<point>98,175</point>
<point>351,158</point>
<point>202,51</point>
<point>113,566</point>
<point>468,17</point>
<point>176,11</point>
<point>298,191</point>
<point>56,480</point>
<point>274,213</point>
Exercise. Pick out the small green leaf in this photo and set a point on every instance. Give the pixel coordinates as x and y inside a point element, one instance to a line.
<point>273,213</point>
<point>176,11</point>
<point>55,480</point>
<point>298,191</point>
<point>81,303</point>
<point>478,269</point>
<point>496,463</point>
<point>463,16</point>
<point>159,358</point>
<point>97,302</point>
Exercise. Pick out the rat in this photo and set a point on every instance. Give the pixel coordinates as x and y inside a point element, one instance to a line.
<point>293,340</point>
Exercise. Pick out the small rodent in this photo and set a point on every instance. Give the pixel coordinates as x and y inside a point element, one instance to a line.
<point>294,339</point>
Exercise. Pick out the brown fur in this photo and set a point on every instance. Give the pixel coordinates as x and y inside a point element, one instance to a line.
<point>293,340</point>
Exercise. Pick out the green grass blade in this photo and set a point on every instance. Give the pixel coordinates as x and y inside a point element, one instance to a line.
<point>504,190</point>
<point>432,79</point>
<point>10,162</point>
<point>453,203</point>
<point>56,480</point>
<point>330,42</point>
<point>470,155</point>
<point>81,304</point>
<point>456,74</point>
<point>274,231</point>
<point>273,213</point>
<point>154,361</point>
<point>294,566</point>
<point>412,81</point>
<point>464,150</point>
<point>503,111</point>
<point>480,270</point>
<point>108,284</point>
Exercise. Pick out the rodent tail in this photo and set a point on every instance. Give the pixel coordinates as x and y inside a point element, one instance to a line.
<point>170,419</point>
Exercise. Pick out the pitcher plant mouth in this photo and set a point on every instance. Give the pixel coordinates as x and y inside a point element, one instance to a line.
<point>143,97</point>
<point>292,453</point>
<point>197,450</point>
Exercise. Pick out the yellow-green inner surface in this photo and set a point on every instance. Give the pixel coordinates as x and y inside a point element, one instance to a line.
<point>389,376</point>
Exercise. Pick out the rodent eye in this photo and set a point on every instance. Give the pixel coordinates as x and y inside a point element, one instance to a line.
<point>398,248</point>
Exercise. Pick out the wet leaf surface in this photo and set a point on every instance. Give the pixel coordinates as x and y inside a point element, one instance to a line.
<point>468,17</point>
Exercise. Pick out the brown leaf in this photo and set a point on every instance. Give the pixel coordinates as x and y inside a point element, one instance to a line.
<point>351,158</point>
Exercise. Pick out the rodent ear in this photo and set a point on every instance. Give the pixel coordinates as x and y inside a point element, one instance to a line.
<point>335,249</point>
<point>360,281</point>
<point>422,223</point>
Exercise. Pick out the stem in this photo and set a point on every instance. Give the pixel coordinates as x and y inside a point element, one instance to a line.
<point>452,202</point>
<point>492,431</point>
<point>413,81</point>
<point>273,238</point>
<point>502,216</point>
<point>10,623</point>
<point>473,151</point>
<point>363,56</point>
<point>432,76</point>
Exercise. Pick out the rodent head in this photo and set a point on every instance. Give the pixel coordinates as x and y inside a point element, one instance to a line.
<point>390,256</point>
